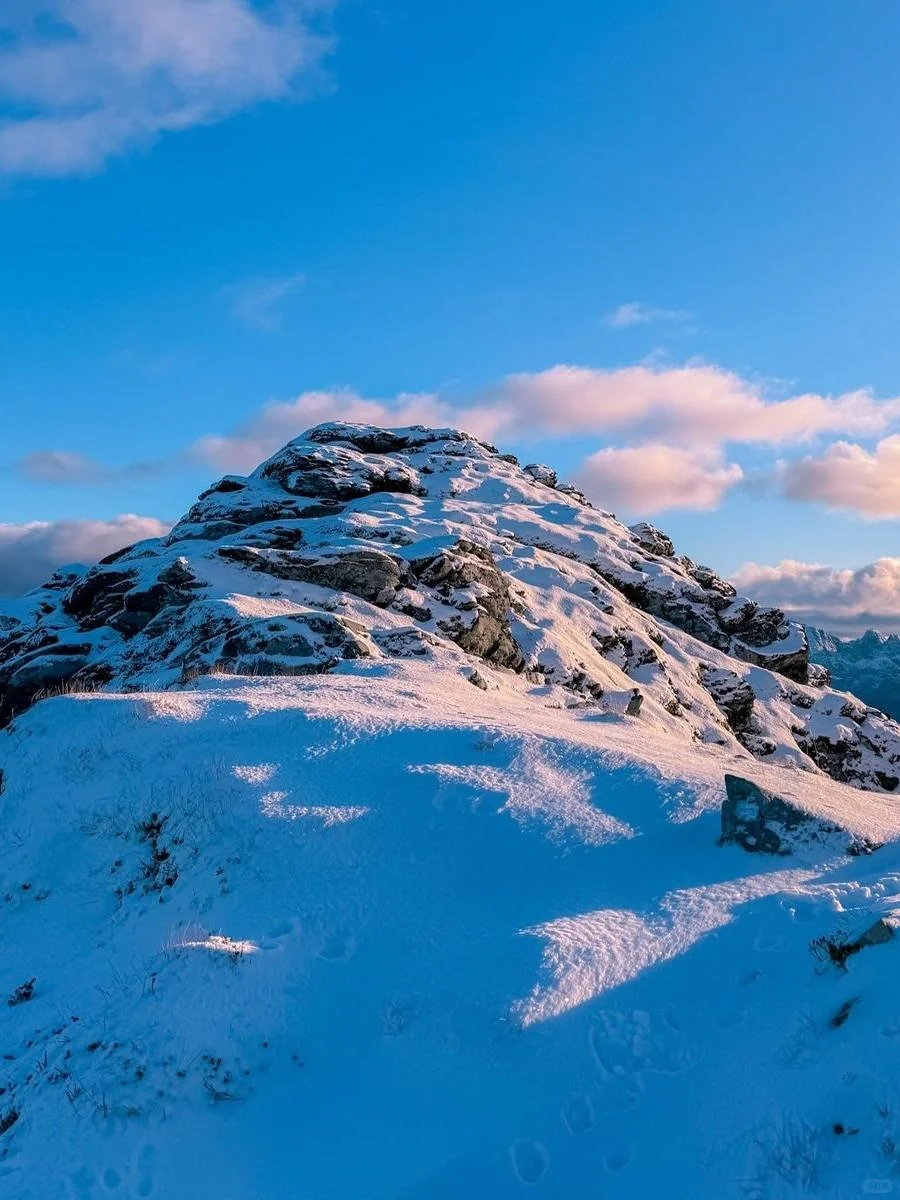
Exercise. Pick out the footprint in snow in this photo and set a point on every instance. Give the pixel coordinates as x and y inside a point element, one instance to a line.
<point>750,977</point>
<point>529,1160</point>
<point>145,1171</point>
<point>137,1184</point>
<point>617,1159</point>
<point>767,942</point>
<point>626,1044</point>
<point>578,1113</point>
<point>677,1019</point>
<point>279,933</point>
<point>338,948</point>
<point>81,1184</point>
<point>729,1018</point>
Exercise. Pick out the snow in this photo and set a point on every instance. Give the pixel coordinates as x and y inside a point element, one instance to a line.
<point>379,933</point>
<point>458,943</point>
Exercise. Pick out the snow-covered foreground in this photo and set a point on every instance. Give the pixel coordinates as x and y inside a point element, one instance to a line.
<point>375,856</point>
<point>422,940</point>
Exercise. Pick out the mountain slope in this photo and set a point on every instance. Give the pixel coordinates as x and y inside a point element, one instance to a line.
<point>371,846</point>
<point>868,665</point>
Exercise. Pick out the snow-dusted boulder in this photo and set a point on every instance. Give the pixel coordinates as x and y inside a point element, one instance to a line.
<point>764,823</point>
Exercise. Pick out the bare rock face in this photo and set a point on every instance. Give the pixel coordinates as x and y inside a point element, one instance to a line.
<point>734,696</point>
<point>467,578</point>
<point>332,473</point>
<point>653,539</point>
<point>542,474</point>
<point>371,574</point>
<point>308,644</point>
<point>764,823</point>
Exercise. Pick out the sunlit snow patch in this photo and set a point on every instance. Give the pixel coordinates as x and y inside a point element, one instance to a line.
<point>218,943</point>
<point>273,805</point>
<point>539,788</point>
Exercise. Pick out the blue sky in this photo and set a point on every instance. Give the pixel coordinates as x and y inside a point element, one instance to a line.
<point>376,199</point>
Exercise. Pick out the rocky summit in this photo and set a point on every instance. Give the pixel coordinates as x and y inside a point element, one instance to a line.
<point>400,826</point>
<point>357,542</point>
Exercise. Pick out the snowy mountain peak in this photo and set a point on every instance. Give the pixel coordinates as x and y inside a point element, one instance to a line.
<point>354,543</point>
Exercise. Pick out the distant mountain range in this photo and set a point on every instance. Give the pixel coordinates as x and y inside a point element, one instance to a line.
<point>868,666</point>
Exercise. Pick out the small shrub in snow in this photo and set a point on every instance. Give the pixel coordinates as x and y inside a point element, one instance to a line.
<point>23,993</point>
<point>8,1119</point>
<point>840,1017</point>
<point>834,947</point>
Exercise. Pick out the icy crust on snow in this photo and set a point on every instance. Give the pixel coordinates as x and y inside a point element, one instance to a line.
<point>385,934</point>
<point>356,544</point>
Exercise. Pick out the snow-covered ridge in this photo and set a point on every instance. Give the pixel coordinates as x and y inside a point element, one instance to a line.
<point>356,543</point>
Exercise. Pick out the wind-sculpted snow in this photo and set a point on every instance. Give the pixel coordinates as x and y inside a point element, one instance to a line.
<point>382,933</point>
<point>355,543</point>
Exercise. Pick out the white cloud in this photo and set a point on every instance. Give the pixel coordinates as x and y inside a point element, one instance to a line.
<point>83,80</point>
<point>689,405</point>
<point>635,313</point>
<point>257,302</point>
<point>30,553</point>
<point>649,479</point>
<point>844,601</point>
<point>849,477</point>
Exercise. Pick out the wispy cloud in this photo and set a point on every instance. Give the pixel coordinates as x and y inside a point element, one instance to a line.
<point>84,80</point>
<point>635,313</point>
<point>68,468</point>
<point>257,302</point>
<point>30,553</point>
<point>664,436</point>
<point>843,600</point>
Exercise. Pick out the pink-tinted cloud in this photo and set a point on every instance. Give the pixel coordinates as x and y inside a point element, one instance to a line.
<point>651,478</point>
<point>267,430</point>
<point>689,405</point>
<point>849,477</point>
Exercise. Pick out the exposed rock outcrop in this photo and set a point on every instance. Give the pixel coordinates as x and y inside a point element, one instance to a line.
<point>764,823</point>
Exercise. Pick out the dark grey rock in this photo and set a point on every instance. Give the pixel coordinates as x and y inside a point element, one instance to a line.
<point>371,574</point>
<point>542,474</point>
<point>733,696</point>
<point>296,644</point>
<point>653,540</point>
<point>465,576</point>
<point>764,823</point>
